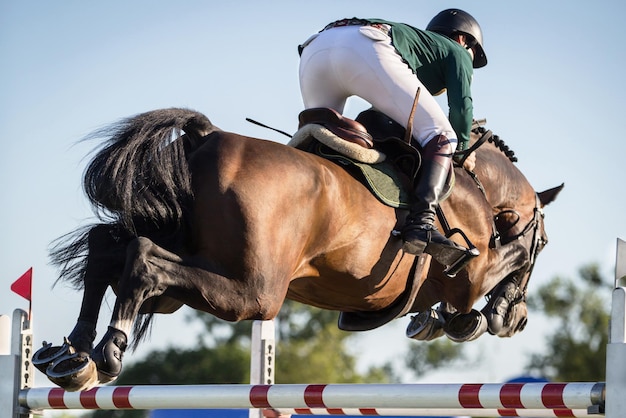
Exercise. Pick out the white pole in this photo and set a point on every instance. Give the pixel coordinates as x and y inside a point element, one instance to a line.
<point>615,404</point>
<point>620,263</point>
<point>262,357</point>
<point>16,370</point>
<point>5,335</point>
<point>8,370</point>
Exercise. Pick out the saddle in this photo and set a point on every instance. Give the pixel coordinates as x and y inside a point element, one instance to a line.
<point>345,128</point>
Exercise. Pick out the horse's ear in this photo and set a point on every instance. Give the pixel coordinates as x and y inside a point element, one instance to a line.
<point>548,196</point>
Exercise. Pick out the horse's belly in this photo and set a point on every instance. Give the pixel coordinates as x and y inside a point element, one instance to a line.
<point>347,289</point>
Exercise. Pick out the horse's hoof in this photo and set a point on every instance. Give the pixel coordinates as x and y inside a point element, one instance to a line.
<point>73,372</point>
<point>48,354</point>
<point>498,310</point>
<point>104,378</point>
<point>108,354</point>
<point>466,327</point>
<point>516,320</point>
<point>425,326</point>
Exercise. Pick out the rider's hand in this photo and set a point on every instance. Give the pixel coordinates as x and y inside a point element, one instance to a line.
<point>470,162</point>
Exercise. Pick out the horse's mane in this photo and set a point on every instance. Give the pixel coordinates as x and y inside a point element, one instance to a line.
<point>497,142</point>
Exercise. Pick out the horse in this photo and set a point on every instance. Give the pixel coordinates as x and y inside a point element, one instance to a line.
<point>233,225</point>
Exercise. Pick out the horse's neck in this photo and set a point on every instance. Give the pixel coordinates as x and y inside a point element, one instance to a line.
<point>505,186</point>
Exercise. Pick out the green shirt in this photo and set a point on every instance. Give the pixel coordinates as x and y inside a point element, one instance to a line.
<point>440,63</point>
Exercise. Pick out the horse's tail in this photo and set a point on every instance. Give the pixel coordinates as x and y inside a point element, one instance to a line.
<point>140,177</point>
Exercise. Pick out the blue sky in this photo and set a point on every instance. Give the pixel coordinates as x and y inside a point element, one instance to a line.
<point>553,90</point>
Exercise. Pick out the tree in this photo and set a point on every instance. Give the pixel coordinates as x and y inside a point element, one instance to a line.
<point>427,356</point>
<point>576,351</point>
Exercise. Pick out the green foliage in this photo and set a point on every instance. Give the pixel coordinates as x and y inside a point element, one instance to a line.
<point>424,357</point>
<point>311,348</point>
<point>202,365</point>
<point>576,351</point>
<point>322,359</point>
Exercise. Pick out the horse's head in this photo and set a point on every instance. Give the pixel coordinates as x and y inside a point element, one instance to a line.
<point>520,235</point>
<point>513,289</point>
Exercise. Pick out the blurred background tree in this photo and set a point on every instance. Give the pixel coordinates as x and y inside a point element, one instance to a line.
<point>580,309</point>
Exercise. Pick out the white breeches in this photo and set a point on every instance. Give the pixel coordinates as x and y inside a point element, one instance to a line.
<point>361,61</point>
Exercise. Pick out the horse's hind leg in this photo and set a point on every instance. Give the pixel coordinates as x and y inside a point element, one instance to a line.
<point>104,265</point>
<point>151,271</point>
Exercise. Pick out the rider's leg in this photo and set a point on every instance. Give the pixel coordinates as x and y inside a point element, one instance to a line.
<point>419,232</point>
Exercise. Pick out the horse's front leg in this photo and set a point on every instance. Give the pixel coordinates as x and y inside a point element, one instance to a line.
<point>506,309</point>
<point>463,323</point>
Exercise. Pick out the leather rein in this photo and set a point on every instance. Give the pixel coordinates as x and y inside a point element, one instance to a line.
<point>533,225</point>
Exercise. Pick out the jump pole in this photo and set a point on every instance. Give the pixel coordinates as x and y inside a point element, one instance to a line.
<point>509,399</point>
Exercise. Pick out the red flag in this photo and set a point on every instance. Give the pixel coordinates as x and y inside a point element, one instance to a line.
<point>24,285</point>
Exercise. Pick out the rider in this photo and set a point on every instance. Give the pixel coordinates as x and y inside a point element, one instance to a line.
<point>385,63</point>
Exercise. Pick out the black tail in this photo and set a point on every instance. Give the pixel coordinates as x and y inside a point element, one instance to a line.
<point>141,175</point>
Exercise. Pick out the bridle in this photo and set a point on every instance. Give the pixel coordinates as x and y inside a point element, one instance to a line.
<point>538,240</point>
<point>533,229</point>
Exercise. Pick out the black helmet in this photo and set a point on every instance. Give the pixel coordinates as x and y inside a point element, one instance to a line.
<point>451,21</point>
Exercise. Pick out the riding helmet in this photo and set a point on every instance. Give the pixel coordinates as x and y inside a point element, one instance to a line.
<point>451,21</point>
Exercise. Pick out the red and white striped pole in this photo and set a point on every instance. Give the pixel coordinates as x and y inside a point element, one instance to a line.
<point>366,397</point>
<point>449,412</point>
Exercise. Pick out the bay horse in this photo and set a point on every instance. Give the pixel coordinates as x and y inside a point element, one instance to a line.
<point>232,225</point>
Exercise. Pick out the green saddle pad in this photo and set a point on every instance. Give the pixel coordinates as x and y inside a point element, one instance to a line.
<point>381,178</point>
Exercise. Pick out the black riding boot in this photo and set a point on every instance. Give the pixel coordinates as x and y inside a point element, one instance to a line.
<point>419,232</point>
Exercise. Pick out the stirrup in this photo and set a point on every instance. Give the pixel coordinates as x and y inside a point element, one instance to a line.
<point>446,252</point>
<point>463,258</point>
<point>419,238</point>
<point>453,258</point>
<point>453,266</point>
<point>417,243</point>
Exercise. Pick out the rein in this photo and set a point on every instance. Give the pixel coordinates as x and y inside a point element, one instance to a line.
<point>496,238</point>
<point>486,136</point>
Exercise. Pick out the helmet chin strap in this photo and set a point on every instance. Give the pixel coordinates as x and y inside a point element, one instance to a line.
<point>466,42</point>
<point>470,51</point>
